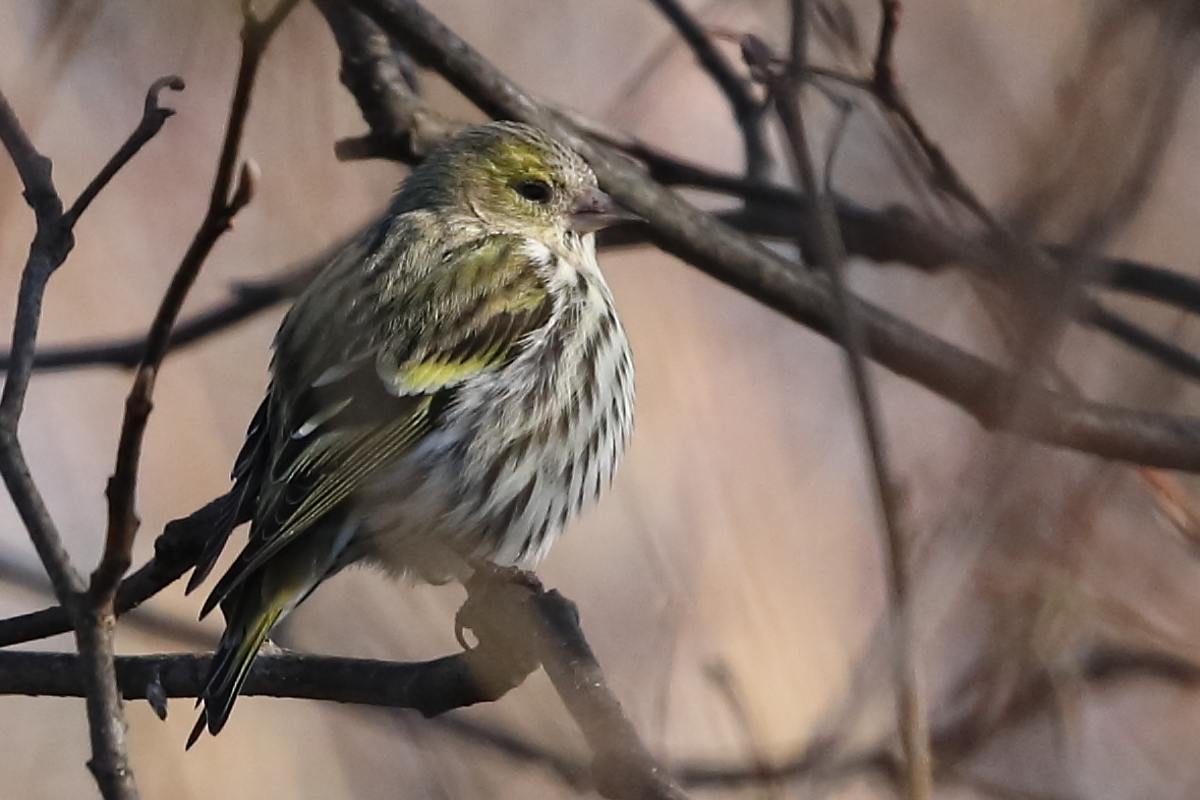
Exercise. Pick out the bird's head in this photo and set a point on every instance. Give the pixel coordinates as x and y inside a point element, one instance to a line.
<point>514,178</point>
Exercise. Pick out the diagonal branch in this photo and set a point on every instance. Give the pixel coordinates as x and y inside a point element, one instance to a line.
<point>154,117</point>
<point>379,76</point>
<point>888,235</point>
<point>233,188</point>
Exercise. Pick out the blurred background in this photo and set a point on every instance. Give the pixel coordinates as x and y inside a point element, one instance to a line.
<point>731,582</point>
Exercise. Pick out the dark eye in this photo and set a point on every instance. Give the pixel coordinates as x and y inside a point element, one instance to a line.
<point>537,191</point>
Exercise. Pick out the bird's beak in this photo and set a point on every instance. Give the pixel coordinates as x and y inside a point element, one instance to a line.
<point>596,210</point>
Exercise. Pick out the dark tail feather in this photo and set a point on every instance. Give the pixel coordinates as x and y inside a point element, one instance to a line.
<point>247,628</point>
<point>197,729</point>
<point>230,517</point>
<point>239,502</point>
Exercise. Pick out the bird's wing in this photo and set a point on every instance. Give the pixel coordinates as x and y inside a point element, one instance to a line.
<point>240,501</point>
<point>359,416</point>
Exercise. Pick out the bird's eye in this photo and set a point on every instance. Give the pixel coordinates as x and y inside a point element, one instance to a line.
<point>537,191</point>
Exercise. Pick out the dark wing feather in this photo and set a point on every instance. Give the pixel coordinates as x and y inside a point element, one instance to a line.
<point>248,470</point>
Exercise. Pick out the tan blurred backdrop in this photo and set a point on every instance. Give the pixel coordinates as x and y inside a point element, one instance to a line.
<point>739,539</point>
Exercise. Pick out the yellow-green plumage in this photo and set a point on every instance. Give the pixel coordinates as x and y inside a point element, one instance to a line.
<point>455,385</point>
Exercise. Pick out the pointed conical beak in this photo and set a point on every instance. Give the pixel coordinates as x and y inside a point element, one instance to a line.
<point>596,210</point>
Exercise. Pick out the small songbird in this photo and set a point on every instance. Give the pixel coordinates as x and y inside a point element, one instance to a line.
<point>455,385</point>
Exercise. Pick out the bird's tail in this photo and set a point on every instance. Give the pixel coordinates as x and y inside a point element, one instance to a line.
<point>249,619</point>
<point>256,601</point>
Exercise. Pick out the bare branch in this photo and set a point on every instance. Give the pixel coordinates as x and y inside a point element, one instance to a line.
<point>747,111</point>
<point>153,118</point>
<point>548,625</point>
<point>233,188</point>
<point>431,687</point>
<point>403,127</point>
<point>52,242</point>
<point>28,576</point>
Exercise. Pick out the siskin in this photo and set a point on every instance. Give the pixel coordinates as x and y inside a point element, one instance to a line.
<point>455,385</point>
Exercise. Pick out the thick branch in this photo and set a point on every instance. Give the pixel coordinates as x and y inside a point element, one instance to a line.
<point>380,77</point>
<point>431,687</point>
<point>622,766</point>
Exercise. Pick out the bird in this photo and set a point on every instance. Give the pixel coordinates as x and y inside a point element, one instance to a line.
<point>453,387</point>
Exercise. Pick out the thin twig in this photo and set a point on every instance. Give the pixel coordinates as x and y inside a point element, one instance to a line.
<point>233,188</point>
<point>28,576</point>
<point>883,78</point>
<point>176,551</point>
<point>886,90</point>
<point>153,118</point>
<point>247,299</point>
<point>747,111</point>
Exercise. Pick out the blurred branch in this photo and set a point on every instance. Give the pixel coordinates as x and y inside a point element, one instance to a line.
<point>784,87</point>
<point>722,679</point>
<point>885,89</point>
<point>1166,353</point>
<point>246,300</point>
<point>570,771</point>
<point>747,111</point>
<point>884,78</point>
<point>953,743</point>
